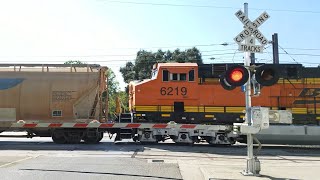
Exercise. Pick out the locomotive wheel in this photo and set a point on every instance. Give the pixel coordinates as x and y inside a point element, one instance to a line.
<point>93,139</point>
<point>58,137</point>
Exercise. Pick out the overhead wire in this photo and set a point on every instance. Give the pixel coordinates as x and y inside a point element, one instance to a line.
<point>167,4</point>
<point>234,55</point>
<point>266,49</point>
<point>225,52</point>
<point>112,62</point>
<point>207,6</point>
<point>107,55</point>
<point>122,55</point>
<point>288,54</point>
<point>303,49</point>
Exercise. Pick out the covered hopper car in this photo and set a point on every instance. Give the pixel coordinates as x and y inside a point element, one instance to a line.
<point>52,94</point>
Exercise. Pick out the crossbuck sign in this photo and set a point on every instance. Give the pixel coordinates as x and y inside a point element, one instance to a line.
<point>251,32</point>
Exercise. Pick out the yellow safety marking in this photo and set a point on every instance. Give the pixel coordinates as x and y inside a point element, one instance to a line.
<point>191,109</point>
<point>165,115</point>
<point>313,80</point>
<point>209,116</point>
<point>211,80</point>
<point>214,109</point>
<point>146,108</point>
<point>166,108</point>
<point>318,118</point>
<point>299,110</point>
<point>235,109</point>
<point>300,81</point>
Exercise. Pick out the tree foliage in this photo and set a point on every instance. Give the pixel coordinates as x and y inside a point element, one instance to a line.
<point>74,62</point>
<point>141,68</point>
<point>113,84</point>
<point>113,89</point>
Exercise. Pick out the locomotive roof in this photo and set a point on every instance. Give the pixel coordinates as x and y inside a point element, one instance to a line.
<point>50,67</point>
<point>177,64</point>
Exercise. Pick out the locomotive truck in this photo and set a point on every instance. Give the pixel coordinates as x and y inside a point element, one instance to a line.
<point>184,102</point>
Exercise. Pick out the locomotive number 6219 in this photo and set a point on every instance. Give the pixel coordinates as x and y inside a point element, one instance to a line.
<point>170,91</point>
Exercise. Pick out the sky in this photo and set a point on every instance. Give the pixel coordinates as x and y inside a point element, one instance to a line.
<point>110,32</point>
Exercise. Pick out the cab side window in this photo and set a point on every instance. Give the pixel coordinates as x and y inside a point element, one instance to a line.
<point>183,77</point>
<point>174,77</point>
<point>165,75</point>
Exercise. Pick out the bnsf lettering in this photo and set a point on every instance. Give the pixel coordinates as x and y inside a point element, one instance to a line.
<point>310,92</point>
<point>170,91</point>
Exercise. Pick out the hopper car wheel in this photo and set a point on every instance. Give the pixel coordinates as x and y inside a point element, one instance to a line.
<point>93,139</point>
<point>58,137</point>
<point>73,137</point>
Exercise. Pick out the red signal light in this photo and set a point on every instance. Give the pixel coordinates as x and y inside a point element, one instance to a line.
<point>236,75</point>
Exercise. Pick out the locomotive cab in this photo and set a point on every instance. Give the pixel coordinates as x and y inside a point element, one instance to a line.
<point>167,95</point>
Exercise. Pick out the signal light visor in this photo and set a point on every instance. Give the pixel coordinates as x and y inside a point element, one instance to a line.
<point>267,75</point>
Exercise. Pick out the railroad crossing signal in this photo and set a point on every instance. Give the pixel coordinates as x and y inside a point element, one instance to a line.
<point>235,76</point>
<point>238,75</point>
<point>251,32</point>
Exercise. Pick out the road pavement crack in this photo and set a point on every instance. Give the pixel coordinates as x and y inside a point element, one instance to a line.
<point>135,153</point>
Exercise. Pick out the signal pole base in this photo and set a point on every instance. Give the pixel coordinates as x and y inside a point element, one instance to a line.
<point>253,167</point>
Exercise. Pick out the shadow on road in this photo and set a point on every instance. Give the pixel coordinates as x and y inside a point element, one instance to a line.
<point>274,178</point>
<point>235,150</point>
<point>101,173</point>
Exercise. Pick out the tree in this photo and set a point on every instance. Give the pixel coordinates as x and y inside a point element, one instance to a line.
<point>74,62</point>
<point>113,90</point>
<point>128,72</point>
<point>193,55</point>
<point>113,84</point>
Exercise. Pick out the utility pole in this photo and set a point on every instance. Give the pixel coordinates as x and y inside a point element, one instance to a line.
<point>253,58</point>
<point>275,48</point>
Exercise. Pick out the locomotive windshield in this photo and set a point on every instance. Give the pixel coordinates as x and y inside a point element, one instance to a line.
<point>154,73</point>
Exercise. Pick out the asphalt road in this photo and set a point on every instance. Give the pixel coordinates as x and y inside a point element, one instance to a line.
<point>40,158</point>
